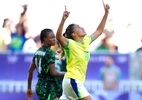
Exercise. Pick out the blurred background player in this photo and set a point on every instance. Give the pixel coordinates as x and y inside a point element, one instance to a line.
<point>110,74</point>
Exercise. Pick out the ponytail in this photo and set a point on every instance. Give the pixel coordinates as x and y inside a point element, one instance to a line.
<point>67,34</point>
<point>69,31</point>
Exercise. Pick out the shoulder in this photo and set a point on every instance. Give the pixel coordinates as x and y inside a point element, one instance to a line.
<point>70,42</point>
<point>87,39</point>
<point>49,51</point>
<point>139,49</point>
<point>102,69</point>
<point>116,68</point>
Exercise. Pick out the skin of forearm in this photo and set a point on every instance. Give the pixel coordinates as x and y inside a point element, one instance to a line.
<point>59,31</point>
<point>30,76</point>
<point>101,26</point>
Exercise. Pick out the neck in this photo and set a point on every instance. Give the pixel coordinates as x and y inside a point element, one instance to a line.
<point>44,44</point>
<point>79,39</point>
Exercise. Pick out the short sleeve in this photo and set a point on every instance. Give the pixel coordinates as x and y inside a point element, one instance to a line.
<point>101,73</point>
<point>33,59</point>
<point>68,42</point>
<point>119,75</point>
<point>88,39</point>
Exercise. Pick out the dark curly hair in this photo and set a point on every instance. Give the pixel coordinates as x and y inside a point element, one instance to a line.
<point>44,33</point>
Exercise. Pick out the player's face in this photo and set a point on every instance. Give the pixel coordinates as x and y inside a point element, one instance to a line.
<point>79,30</point>
<point>50,39</point>
<point>109,61</point>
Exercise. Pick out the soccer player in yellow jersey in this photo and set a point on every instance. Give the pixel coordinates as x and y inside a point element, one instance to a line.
<point>75,43</point>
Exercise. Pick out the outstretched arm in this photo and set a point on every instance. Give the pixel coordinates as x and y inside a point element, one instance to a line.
<point>59,36</point>
<point>101,26</point>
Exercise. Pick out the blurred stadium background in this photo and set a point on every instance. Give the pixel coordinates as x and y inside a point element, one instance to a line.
<point>123,34</point>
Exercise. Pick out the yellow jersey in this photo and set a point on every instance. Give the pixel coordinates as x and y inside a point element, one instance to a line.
<point>77,58</point>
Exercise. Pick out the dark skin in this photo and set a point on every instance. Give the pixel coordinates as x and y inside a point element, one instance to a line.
<point>48,41</point>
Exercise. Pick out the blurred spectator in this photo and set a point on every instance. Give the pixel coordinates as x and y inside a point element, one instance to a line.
<point>18,40</point>
<point>31,45</point>
<point>110,74</point>
<point>23,20</point>
<point>103,46</point>
<point>5,34</point>
<point>129,37</point>
<point>109,33</point>
<point>109,30</point>
<point>139,58</point>
<point>18,37</point>
<point>106,46</point>
<point>112,46</point>
<point>140,48</point>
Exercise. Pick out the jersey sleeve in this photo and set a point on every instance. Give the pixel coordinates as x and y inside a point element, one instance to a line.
<point>69,44</point>
<point>119,74</point>
<point>88,39</point>
<point>33,59</point>
<point>101,73</point>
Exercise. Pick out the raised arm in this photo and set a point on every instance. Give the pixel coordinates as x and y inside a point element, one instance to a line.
<point>101,26</point>
<point>59,36</point>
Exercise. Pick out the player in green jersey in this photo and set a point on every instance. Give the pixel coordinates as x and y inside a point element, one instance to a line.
<point>44,62</point>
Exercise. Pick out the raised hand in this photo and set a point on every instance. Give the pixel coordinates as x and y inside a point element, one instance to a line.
<point>106,7</point>
<point>66,13</point>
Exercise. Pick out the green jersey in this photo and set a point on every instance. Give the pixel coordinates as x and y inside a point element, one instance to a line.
<point>43,57</point>
<point>46,87</point>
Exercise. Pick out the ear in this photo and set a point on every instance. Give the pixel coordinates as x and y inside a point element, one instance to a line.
<point>73,34</point>
<point>45,39</point>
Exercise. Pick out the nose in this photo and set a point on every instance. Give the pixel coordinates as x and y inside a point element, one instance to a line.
<point>83,29</point>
